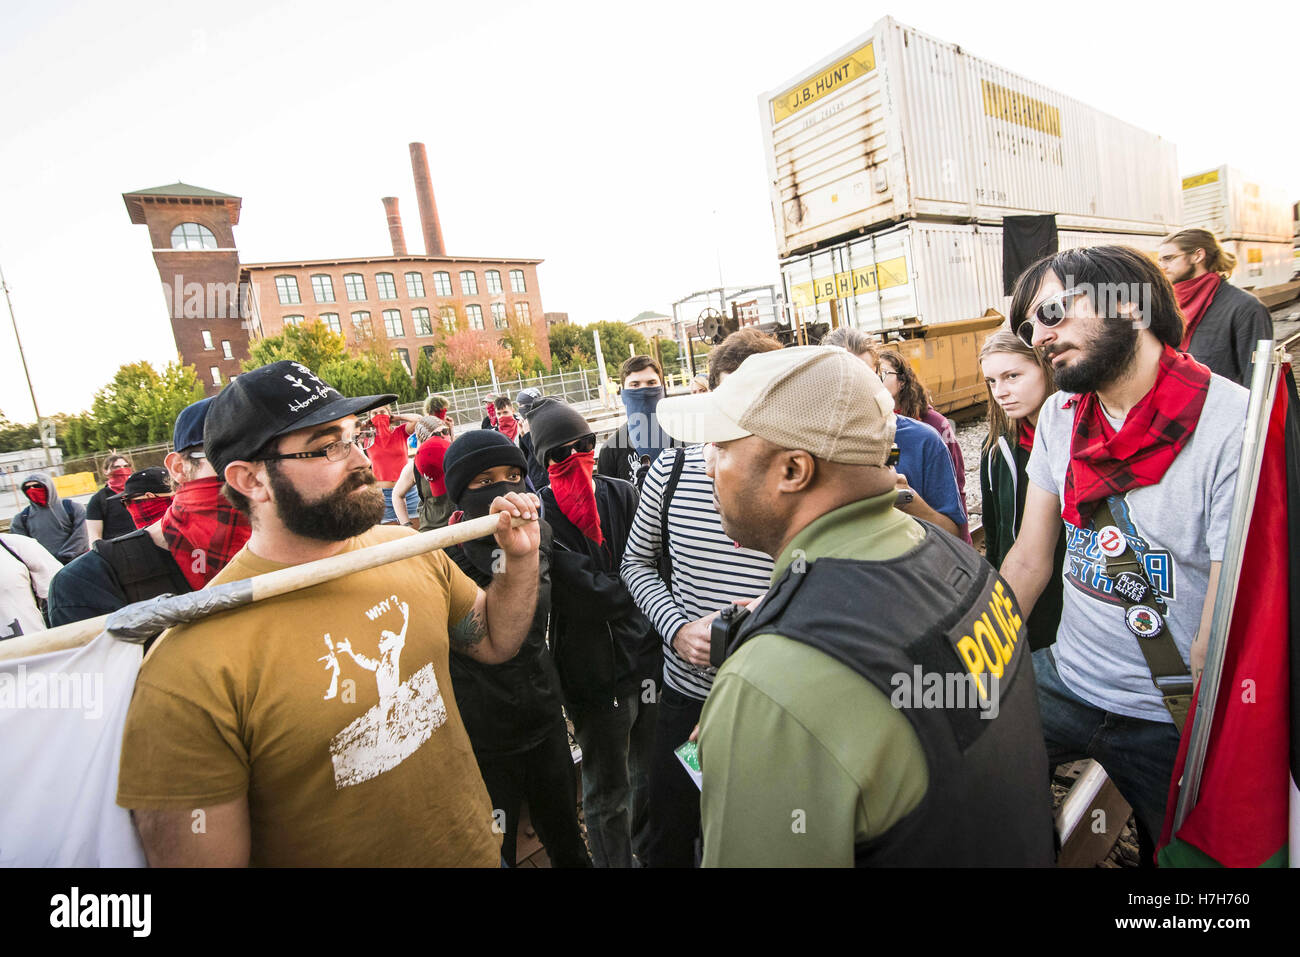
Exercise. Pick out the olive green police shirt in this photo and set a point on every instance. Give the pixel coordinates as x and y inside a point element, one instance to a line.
<point>802,757</point>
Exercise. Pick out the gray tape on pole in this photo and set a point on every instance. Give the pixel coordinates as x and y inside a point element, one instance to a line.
<point>139,622</point>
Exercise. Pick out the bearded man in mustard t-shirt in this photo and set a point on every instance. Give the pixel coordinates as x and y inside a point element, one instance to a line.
<point>319,728</point>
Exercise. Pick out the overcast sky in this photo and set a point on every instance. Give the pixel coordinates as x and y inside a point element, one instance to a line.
<point>619,144</point>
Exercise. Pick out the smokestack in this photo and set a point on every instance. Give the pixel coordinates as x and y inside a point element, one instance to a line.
<point>395,226</point>
<point>424,196</point>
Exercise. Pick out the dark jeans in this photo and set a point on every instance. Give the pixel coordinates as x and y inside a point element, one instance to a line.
<point>616,744</point>
<point>674,798</point>
<point>542,776</point>
<point>1138,755</point>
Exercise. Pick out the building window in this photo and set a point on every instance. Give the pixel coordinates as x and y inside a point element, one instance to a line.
<point>322,287</point>
<point>207,340</point>
<point>292,320</point>
<point>499,315</point>
<point>216,375</point>
<point>225,349</point>
<point>393,323</point>
<point>442,284</point>
<point>475,313</point>
<point>404,358</point>
<point>521,313</point>
<point>414,285</point>
<point>384,283</point>
<point>517,281</point>
<point>286,288</point>
<point>448,314</point>
<point>423,325</point>
<point>428,352</point>
<point>469,283</point>
<point>494,281</point>
<point>361,327</point>
<point>193,236</point>
<point>356,286</point>
<point>331,319</point>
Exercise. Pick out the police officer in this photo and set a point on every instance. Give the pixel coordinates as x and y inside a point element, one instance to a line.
<point>877,706</point>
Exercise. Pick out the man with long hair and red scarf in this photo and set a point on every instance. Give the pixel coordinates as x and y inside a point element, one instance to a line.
<point>1134,461</point>
<point>606,651</point>
<point>176,550</point>
<point>1223,322</point>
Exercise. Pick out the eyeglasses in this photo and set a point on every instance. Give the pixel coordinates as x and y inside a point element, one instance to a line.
<point>334,452</point>
<point>586,444</point>
<point>1049,313</point>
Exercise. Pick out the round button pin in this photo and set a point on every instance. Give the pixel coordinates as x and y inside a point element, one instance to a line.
<point>1111,541</point>
<point>1144,621</point>
<point>1131,587</point>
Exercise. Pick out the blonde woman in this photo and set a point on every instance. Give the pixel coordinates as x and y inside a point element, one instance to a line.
<point>1018,380</point>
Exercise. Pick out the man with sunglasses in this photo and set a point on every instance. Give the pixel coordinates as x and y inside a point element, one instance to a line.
<point>179,551</point>
<point>319,728</point>
<point>1137,457</point>
<point>606,651</point>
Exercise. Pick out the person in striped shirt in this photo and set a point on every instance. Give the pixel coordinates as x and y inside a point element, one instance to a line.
<point>708,572</point>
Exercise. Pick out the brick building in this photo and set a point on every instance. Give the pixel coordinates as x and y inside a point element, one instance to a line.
<point>402,301</point>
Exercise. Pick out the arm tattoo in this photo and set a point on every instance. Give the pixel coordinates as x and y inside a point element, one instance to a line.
<point>468,632</point>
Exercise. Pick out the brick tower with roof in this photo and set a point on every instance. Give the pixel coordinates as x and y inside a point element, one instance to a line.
<point>191,231</point>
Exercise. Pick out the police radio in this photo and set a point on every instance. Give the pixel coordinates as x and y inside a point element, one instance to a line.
<point>723,632</point>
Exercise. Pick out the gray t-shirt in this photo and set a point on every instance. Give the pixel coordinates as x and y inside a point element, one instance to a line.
<point>1178,526</point>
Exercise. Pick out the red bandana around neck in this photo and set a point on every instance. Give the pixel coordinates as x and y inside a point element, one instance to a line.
<point>571,482</point>
<point>1026,435</point>
<point>1104,462</point>
<point>203,531</point>
<point>1194,296</point>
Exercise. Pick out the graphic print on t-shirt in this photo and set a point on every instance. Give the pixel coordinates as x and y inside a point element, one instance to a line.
<point>406,716</point>
<point>1084,560</point>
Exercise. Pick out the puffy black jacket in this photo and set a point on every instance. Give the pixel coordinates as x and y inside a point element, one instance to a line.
<point>603,645</point>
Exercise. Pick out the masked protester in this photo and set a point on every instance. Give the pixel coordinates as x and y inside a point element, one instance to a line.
<point>146,495</point>
<point>106,517</point>
<point>630,450</point>
<point>58,524</point>
<point>424,474</point>
<point>512,711</point>
<point>524,402</point>
<point>606,650</point>
<point>182,541</point>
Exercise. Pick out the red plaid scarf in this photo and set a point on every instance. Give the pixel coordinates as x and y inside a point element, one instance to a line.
<point>203,531</point>
<point>1194,298</point>
<point>1104,462</point>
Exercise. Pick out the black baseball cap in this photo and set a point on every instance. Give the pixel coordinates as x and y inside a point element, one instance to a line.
<point>269,402</point>
<point>188,431</point>
<point>153,479</point>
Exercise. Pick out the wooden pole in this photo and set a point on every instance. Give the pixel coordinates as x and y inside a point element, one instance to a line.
<point>274,583</point>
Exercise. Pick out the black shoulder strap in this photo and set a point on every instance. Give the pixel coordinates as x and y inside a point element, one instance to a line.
<point>665,556</point>
<point>67,509</point>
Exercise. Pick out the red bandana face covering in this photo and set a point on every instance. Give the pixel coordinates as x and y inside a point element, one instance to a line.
<point>1194,297</point>
<point>203,531</point>
<point>37,495</point>
<point>146,511</point>
<point>117,479</point>
<point>571,482</point>
<point>1104,462</point>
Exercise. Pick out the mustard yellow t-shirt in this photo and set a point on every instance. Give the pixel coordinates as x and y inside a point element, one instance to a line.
<point>332,708</point>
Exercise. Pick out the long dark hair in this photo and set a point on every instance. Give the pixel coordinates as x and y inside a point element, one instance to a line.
<point>1114,271</point>
<point>912,398</point>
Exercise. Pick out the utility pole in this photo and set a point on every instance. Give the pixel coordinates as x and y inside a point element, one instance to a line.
<point>40,436</point>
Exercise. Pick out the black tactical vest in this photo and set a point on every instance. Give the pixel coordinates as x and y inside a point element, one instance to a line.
<point>142,569</point>
<point>939,610</point>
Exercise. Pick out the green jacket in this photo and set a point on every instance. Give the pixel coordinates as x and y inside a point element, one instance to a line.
<point>1003,484</point>
<point>802,757</point>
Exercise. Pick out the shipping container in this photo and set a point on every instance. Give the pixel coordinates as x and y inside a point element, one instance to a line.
<point>1261,264</point>
<point>916,273</point>
<point>1233,206</point>
<point>897,125</point>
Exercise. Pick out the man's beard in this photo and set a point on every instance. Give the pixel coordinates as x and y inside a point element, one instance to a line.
<point>1185,275</point>
<point>340,515</point>
<point>1103,359</point>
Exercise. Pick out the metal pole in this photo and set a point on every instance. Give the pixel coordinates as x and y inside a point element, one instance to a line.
<point>1263,385</point>
<point>49,461</point>
<point>600,370</point>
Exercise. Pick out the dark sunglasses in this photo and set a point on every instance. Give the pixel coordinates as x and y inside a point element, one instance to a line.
<point>560,453</point>
<point>1049,313</point>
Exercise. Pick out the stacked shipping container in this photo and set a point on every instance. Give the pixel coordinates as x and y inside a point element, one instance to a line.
<point>1252,221</point>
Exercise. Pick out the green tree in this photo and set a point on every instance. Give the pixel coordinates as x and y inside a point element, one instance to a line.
<point>313,344</point>
<point>354,375</point>
<point>398,382</point>
<point>16,436</point>
<point>140,405</point>
<point>426,376</point>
